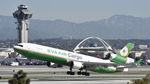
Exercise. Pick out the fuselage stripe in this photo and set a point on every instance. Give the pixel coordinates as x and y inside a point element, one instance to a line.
<point>46,54</point>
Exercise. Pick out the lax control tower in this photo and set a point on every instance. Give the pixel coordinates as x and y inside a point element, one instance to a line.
<point>22,15</point>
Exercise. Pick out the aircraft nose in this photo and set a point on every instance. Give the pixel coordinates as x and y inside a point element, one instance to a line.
<point>18,46</point>
<point>15,47</point>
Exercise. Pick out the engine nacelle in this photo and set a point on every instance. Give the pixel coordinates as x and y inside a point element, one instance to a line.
<point>77,64</point>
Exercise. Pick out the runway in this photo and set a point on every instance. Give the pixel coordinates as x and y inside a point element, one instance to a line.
<point>45,75</point>
<point>45,72</point>
<point>75,82</point>
<point>45,69</point>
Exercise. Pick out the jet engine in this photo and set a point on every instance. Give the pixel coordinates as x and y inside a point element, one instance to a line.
<point>77,64</point>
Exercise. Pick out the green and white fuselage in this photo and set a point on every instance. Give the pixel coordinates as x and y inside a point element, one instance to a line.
<point>58,56</point>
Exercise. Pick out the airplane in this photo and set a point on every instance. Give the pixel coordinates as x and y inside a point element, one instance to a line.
<point>115,62</point>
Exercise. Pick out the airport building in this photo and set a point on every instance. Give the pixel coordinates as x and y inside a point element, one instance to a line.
<point>6,52</point>
<point>101,49</point>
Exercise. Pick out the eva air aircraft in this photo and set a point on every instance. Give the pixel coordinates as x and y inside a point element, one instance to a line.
<point>115,62</point>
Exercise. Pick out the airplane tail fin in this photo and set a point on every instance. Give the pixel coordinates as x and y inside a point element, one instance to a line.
<point>121,57</point>
<point>124,52</point>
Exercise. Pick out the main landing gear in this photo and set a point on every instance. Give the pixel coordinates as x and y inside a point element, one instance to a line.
<point>79,72</point>
<point>83,73</point>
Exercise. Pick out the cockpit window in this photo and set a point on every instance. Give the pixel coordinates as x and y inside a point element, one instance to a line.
<point>20,45</point>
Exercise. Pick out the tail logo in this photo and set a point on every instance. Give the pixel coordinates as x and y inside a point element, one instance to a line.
<point>124,52</point>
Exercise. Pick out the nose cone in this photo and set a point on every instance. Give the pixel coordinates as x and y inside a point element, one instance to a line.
<point>18,47</point>
<point>15,47</point>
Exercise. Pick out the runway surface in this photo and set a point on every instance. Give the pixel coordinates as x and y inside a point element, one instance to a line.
<point>34,69</point>
<point>58,75</point>
<point>75,82</point>
<point>45,72</point>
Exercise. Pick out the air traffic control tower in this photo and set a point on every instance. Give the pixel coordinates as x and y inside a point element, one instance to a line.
<point>22,15</point>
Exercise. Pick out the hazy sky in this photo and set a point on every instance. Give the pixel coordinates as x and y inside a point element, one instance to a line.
<point>78,10</point>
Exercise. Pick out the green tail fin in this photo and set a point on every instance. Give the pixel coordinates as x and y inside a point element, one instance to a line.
<point>126,50</point>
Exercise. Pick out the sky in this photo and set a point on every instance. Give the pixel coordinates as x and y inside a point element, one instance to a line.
<point>78,10</point>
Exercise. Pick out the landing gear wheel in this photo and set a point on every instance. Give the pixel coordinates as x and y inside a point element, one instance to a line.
<point>70,73</point>
<point>79,73</point>
<point>83,73</point>
<point>87,74</point>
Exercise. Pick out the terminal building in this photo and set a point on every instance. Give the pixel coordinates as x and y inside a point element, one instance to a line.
<point>6,52</point>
